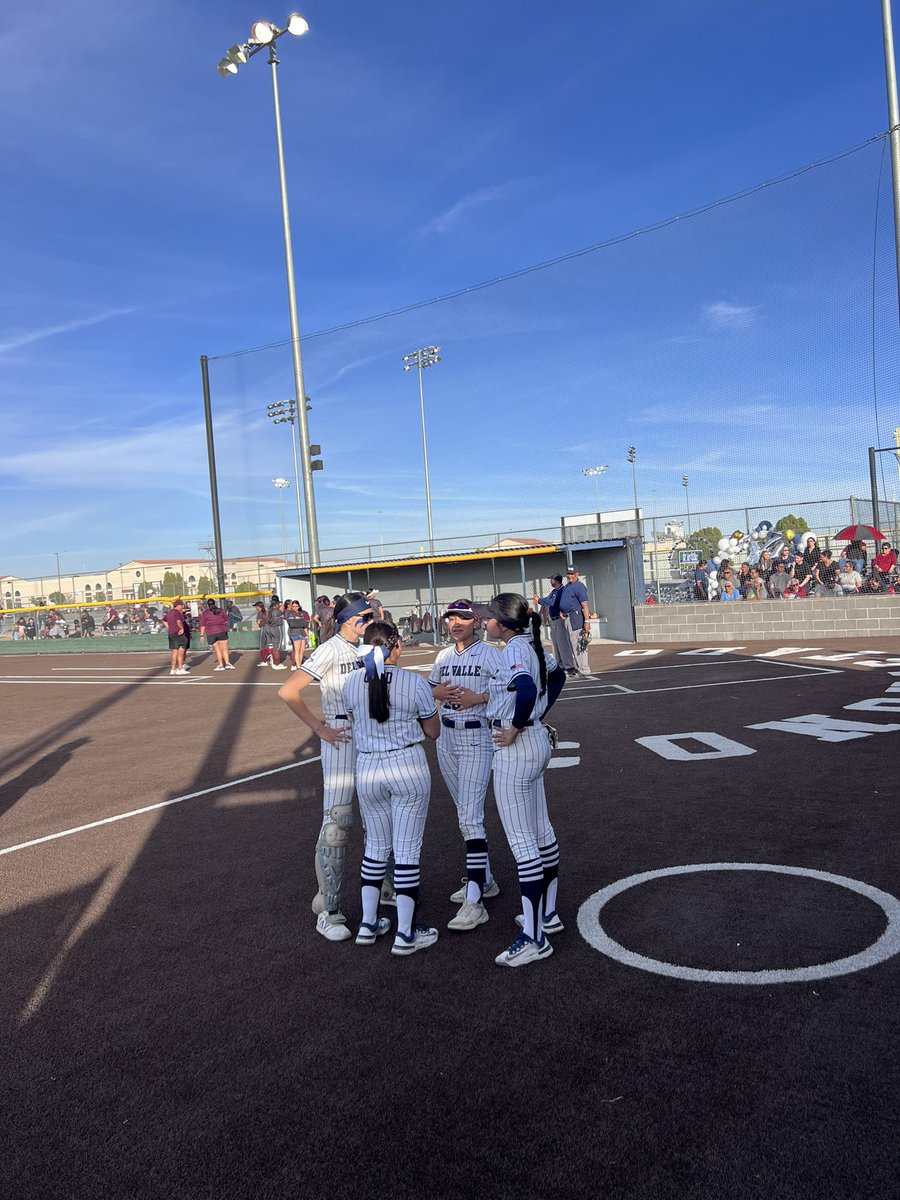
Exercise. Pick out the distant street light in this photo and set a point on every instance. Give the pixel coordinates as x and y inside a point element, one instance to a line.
<point>685,483</point>
<point>420,359</point>
<point>632,458</point>
<point>284,413</point>
<point>281,485</point>
<point>265,34</point>
<point>596,473</point>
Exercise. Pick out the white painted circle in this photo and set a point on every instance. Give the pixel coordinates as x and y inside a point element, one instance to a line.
<point>887,945</point>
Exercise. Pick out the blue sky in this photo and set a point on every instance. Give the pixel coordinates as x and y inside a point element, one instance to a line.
<point>430,148</point>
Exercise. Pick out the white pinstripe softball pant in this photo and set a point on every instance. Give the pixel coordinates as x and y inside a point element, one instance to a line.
<point>338,769</point>
<point>519,791</point>
<point>466,757</point>
<point>394,788</point>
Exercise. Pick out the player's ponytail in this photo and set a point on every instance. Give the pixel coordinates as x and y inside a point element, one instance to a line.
<point>379,642</point>
<point>539,648</point>
<point>518,615</point>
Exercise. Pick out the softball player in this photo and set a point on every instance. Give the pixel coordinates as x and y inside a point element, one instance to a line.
<point>460,679</point>
<point>329,666</point>
<point>524,691</point>
<point>392,712</point>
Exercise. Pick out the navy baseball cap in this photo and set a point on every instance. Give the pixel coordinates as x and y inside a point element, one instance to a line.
<point>571,569</point>
<point>460,608</point>
<point>492,611</point>
<point>556,578</point>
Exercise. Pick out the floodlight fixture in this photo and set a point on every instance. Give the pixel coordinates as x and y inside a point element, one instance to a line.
<point>297,25</point>
<point>226,67</point>
<point>238,53</point>
<point>263,32</point>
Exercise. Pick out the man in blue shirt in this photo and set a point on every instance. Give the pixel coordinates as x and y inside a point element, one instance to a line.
<point>575,611</point>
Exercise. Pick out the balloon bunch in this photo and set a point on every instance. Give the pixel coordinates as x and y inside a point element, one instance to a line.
<point>764,537</point>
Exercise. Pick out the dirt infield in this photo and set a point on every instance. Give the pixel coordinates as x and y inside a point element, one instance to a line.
<point>175,1028</point>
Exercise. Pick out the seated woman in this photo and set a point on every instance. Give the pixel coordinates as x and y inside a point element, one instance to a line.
<point>827,574</point>
<point>884,566</point>
<point>729,593</point>
<point>850,579</point>
<point>755,588</point>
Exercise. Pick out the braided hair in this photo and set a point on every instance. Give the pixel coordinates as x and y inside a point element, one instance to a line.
<point>519,614</point>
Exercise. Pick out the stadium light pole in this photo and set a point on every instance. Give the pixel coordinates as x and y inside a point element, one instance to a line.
<point>596,473</point>
<point>685,483</point>
<point>632,458</point>
<point>281,485</point>
<point>420,359</point>
<point>264,35</point>
<point>890,73</point>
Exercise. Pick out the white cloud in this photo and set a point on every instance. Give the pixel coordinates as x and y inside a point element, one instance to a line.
<point>451,218</point>
<point>730,316</point>
<point>38,335</point>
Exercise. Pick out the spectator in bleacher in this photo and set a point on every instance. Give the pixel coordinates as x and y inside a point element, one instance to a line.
<point>726,575</point>
<point>827,574</point>
<point>779,580</point>
<point>743,577</point>
<point>785,557</point>
<point>860,556</point>
<point>88,624</point>
<point>19,630</point>
<point>110,622</point>
<point>701,581</point>
<point>796,590</point>
<point>811,558</point>
<point>884,565</point>
<point>850,579</point>
<point>30,629</point>
<point>729,593</point>
<point>755,588</point>
<point>765,566</point>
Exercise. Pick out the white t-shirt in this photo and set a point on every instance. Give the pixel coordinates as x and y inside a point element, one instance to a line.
<point>518,657</point>
<point>330,664</point>
<point>473,668</point>
<point>410,698</point>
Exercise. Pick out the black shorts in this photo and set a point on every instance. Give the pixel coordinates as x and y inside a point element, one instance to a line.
<point>177,641</point>
<point>217,637</point>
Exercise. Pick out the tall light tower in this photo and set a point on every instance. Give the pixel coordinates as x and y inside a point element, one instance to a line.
<point>632,458</point>
<point>420,359</point>
<point>282,485</point>
<point>685,483</point>
<point>264,34</point>
<point>596,474</point>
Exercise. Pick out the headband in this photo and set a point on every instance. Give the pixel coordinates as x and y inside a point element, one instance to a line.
<point>352,610</point>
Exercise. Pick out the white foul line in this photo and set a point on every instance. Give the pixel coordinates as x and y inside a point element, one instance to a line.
<point>137,812</point>
<point>685,687</point>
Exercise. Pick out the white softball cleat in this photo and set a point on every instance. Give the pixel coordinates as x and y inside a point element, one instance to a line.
<point>421,938</point>
<point>368,933</point>
<point>470,916</point>
<point>333,927</point>
<point>524,950</point>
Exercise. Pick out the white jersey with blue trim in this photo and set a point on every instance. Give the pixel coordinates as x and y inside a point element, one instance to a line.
<point>410,699</point>
<point>473,668</point>
<point>330,664</point>
<point>518,657</point>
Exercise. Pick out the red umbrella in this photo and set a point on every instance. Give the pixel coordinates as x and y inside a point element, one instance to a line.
<point>859,533</point>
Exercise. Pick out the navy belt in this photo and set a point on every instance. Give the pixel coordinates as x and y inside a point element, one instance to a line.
<point>339,717</point>
<point>499,724</point>
<point>461,724</point>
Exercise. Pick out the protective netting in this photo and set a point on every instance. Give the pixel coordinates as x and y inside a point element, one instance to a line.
<point>750,347</point>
